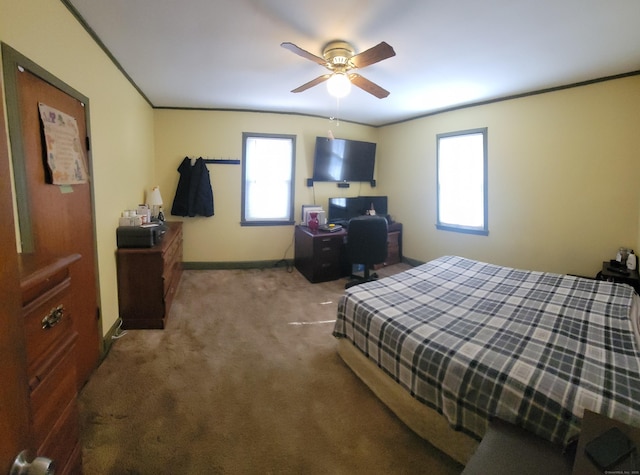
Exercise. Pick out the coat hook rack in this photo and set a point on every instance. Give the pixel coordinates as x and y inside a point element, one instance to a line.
<point>224,161</point>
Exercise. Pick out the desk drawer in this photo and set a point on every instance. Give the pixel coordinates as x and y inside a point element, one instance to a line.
<point>327,245</point>
<point>327,270</point>
<point>393,249</point>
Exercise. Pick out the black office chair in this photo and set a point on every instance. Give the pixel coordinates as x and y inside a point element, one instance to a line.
<point>367,238</point>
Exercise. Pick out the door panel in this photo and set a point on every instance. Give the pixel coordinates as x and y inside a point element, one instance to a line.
<point>61,218</point>
<point>14,396</point>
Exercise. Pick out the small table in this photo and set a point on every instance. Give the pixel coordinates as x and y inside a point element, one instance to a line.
<point>611,273</point>
<point>592,426</point>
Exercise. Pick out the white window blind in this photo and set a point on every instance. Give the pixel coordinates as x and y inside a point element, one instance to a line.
<point>268,167</point>
<point>462,181</point>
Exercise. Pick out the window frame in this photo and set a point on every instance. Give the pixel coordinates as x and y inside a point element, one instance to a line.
<point>461,228</point>
<point>267,222</point>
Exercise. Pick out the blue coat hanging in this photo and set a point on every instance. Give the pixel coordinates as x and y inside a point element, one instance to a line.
<point>194,196</point>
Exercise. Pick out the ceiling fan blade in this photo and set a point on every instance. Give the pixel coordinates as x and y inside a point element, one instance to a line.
<point>373,55</point>
<point>368,86</point>
<point>305,54</point>
<point>314,82</point>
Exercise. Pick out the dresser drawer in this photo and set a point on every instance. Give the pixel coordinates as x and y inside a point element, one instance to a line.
<point>172,263</point>
<point>62,444</point>
<point>173,250</point>
<point>35,290</point>
<point>171,291</point>
<point>47,321</point>
<point>50,342</point>
<point>55,390</point>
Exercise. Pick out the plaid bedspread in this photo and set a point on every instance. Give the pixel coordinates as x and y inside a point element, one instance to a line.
<point>475,340</point>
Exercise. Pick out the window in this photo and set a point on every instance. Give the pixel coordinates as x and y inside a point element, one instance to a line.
<point>267,179</point>
<point>462,181</point>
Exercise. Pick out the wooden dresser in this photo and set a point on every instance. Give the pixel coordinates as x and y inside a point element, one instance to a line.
<point>148,279</point>
<point>51,360</point>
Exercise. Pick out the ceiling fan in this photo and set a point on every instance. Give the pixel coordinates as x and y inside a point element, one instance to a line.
<point>339,57</point>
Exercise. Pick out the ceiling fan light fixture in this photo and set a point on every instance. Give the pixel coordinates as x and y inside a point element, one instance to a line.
<point>339,85</point>
<point>339,58</point>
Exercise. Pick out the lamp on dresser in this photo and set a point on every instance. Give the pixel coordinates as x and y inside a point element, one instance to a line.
<point>154,200</point>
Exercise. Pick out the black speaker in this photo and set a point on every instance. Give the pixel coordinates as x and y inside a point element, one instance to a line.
<point>309,181</point>
<point>373,183</point>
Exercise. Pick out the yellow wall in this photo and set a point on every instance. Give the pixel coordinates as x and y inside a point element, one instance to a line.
<point>563,178</point>
<point>121,120</point>
<point>220,238</point>
<point>563,166</point>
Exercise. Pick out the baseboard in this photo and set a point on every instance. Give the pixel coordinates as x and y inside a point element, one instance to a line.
<point>108,339</point>
<point>237,265</point>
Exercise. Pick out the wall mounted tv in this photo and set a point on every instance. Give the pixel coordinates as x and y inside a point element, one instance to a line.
<point>342,160</point>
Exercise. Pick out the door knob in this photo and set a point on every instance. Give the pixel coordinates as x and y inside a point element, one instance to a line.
<point>37,466</point>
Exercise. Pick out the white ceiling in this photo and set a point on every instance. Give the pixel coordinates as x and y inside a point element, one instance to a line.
<point>226,54</point>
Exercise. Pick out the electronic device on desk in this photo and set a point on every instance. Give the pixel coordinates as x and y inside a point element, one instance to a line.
<point>330,228</point>
<point>343,223</point>
<point>618,268</point>
<point>343,209</point>
<point>146,235</point>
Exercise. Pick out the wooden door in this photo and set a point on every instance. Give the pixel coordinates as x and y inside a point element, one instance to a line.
<point>14,395</point>
<point>57,220</point>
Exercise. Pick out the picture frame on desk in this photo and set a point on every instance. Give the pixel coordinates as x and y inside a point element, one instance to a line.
<point>307,209</point>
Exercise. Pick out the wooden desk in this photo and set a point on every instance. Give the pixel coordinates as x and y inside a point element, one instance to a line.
<point>592,426</point>
<point>320,256</point>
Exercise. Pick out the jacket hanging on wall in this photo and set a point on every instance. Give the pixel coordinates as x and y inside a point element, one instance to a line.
<point>194,196</point>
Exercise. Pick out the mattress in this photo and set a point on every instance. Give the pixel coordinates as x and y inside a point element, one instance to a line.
<point>473,341</point>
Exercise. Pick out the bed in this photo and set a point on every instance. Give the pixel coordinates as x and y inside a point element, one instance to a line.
<point>453,343</point>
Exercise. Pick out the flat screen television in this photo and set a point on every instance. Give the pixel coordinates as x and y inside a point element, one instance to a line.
<point>343,160</point>
<point>341,210</point>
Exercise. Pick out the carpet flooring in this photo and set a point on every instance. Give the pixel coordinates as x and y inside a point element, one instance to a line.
<point>245,379</point>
